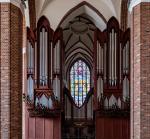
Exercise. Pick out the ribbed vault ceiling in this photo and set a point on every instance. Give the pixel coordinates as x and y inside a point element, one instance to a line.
<point>54,10</point>
<point>79,38</point>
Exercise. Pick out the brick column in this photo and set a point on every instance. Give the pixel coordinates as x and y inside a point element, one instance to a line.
<point>5,71</point>
<point>11,43</point>
<point>32,14</point>
<point>140,69</point>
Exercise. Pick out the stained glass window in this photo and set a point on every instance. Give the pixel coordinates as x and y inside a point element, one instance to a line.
<point>79,82</point>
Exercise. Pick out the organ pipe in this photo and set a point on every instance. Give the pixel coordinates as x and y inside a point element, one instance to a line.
<point>46,58</point>
<point>55,61</point>
<point>119,103</point>
<point>115,60</point>
<point>35,60</point>
<point>30,85</point>
<point>98,90</point>
<point>100,53</point>
<point>43,100</point>
<point>99,87</point>
<point>43,57</point>
<point>57,57</point>
<point>106,103</point>
<point>123,60</point>
<point>105,68</point>
<point>97,56</point>
<point>120,62</point>
<point>112,101</point>
<point>51,77</point>
<point>125,88</point>
<point>112,58</point>
<point>56,87</point>
<point>30,57</point>
<point>110,68</point>
<point>100,58</point>
<point>126,58</point>
<point>50,103</point>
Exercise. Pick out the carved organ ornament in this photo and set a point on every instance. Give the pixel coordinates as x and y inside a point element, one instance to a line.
<point>46,67</point>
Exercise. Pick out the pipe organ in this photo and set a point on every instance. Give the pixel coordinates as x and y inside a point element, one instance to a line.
<point>43,94</point>
<point>58,61</point>
<point>112,66</point>
<point>126,66</point>
<point>56,81</point>
<point>43,76</point>
<point>100,52</point>
<point>43,68</point>
<point>30,64</point>
<point>95,92</point>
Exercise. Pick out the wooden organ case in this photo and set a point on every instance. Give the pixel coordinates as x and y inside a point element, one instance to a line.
<point>44,82</point>
<point>112,82</point>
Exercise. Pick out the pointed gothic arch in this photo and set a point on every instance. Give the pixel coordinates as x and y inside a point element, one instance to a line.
<point>84,3</point>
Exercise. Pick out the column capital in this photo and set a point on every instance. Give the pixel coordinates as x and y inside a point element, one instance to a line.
<point>133,3</point>
<point>17,3</point>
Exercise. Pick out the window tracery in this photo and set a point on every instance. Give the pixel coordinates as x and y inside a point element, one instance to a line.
<point>79,82</point>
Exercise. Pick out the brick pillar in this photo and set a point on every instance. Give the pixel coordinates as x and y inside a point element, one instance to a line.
<point>140,70</point>
<point>124,15</point>
<point>32,14</point>
<point>5,71</point>
<point>11,43</point>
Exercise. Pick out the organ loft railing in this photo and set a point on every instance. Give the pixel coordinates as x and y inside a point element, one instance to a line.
<point>112,70</point>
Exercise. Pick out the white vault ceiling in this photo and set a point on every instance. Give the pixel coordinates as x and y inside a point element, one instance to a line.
<point>55,10</point>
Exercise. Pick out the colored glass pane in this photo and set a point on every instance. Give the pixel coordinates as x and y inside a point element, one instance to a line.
<point>79,81</point>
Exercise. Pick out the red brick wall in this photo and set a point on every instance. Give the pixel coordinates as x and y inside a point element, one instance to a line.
<point>124,14</point>
<point>32,14</point>
<point>145,71</point>
<point>140,71</point>
<point>5,71</point>
<point>16,43</point>
<point>11,72</point>
<point>24,88</point>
